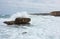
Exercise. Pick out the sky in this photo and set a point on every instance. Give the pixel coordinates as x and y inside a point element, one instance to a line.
<point>41,6</point>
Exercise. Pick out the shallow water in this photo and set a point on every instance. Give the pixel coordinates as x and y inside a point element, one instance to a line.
<point>41,27</point>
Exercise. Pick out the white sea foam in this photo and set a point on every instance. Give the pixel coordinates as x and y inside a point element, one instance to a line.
<point>43,27</point>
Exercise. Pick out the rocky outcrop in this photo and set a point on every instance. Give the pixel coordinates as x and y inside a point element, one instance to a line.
<point>22,20</point>
<point>55,13</point>
<point>18,21</point>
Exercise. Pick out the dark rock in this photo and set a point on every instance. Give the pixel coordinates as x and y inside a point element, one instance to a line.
<point>18,21</point>
<point>22,20</point>
<point>55,13</point>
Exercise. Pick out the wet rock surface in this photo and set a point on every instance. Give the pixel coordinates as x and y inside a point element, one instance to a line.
<point>22,20</point>
<point>18,21</point>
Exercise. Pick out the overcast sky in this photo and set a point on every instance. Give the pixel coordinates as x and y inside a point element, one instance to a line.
<point>11,6</point>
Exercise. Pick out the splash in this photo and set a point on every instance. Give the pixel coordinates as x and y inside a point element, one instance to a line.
<point>19,14</point>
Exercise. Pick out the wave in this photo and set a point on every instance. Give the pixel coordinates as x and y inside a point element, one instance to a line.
<point>14,16</point>
<point>44,27</point>
<point>17,14</point>
<point>4,16</point>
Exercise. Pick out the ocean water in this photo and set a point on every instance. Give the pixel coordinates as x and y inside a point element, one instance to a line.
<point>41,27</point>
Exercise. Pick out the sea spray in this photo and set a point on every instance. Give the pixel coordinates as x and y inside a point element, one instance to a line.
<point>19,14</point>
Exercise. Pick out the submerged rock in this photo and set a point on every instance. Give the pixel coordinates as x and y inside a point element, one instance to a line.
<point>18,21</point>
<point>24,33</point>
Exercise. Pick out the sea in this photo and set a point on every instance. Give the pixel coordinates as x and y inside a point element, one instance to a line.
<point>40,27</point>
